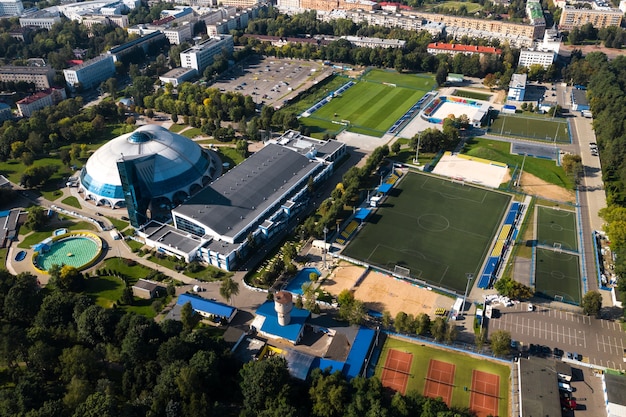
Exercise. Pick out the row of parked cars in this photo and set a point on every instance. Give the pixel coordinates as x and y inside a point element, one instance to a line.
<point>545,351</point>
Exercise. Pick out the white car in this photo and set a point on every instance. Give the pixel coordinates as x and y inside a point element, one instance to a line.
<point>531,307</point>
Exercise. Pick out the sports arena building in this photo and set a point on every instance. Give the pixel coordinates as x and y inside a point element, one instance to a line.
<point>145,170</point>
<point>247,205</point>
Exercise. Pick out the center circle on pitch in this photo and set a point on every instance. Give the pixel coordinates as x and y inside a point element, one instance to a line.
<point>558,275</point>
<point>556,227</point>
<point>433,222</point>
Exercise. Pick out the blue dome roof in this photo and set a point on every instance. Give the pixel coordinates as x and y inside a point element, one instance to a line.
<point>139,137</point>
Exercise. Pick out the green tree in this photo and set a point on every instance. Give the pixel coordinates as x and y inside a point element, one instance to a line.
<point>510,288</point>
<point>395,148</point>
<point>229,288</point>
<point>386,320</point>
<point>439,328</point>
<point>500,342</point>
<point>573,166</point>
<point>36,218</point>
<point>263,380</point>
<point>329,394</point>
<point>592,303</point>
<point>401,323</point>
<point>187,317</point>
<point>422,323</point>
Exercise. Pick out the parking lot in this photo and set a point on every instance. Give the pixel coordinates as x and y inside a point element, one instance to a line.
<point>272,81</point>
<point>600,342</point>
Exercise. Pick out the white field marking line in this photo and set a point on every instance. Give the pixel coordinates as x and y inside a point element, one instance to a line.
<point>597,342</point>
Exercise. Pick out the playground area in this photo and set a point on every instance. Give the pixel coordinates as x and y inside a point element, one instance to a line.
<point>557,275</point>
<point>474,170</point>
<point>461,380</point>
<point>431,231</point>
<point>382,292</point>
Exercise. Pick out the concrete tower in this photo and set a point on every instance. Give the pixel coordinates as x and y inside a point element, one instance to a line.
<point>283,304</point>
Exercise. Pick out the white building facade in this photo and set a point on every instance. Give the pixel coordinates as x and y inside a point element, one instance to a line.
<point>11,7</point>
<point>90,73</point>
<point>200,56</point>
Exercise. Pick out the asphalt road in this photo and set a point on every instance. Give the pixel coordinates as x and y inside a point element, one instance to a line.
<point>601,342</point>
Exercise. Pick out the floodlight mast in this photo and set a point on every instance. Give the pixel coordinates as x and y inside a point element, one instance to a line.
<point>417,149</point>
<point>469,277</point>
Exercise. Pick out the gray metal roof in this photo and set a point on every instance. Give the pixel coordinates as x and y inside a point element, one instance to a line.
<point>232,202</point>
<point>169,236</point>
<point>539,386</point>
<point>615,389</point>
<point>580,97</point>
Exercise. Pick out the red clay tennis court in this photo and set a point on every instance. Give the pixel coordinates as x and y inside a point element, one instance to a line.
<point>440,380</point>
<point>396,371</point>
<point>484,397</point>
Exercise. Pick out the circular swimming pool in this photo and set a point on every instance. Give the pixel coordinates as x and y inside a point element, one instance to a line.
<point>77,250</point>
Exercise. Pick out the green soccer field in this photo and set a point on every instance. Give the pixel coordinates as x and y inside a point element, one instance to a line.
<point>556,226</point>
<point>557,274</point>
<point>535,128</point>
<point>438,229</point>
<point>370,106</point>
<point>415,81</point>
<point>464,363</point>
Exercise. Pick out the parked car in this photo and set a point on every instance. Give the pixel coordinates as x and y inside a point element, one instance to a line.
<point>564,386</point>
<point>558,353</point>
<point>530,307</point>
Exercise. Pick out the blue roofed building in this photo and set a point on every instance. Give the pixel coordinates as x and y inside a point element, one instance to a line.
<point>208,308</point>
<point>280,319</point>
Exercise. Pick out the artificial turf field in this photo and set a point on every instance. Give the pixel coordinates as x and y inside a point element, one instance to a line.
<point>464,365</point>
<point>556,226</point>
<point>557,274</point>
<point>535,128</point>
<point>370,106</point>
<point>439,229</point>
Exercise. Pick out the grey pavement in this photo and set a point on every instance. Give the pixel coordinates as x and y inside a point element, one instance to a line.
<point>601,342</point>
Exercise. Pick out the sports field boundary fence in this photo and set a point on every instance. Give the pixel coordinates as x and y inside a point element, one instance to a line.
<point>583,263</point>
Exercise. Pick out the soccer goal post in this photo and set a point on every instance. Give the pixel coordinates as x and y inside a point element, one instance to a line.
<point>401,271</point>
<point>558,298</point>
<point>558,247</point>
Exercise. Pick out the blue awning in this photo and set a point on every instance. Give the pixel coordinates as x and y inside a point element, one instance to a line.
<point>384,188</point>
<point>362,213</point>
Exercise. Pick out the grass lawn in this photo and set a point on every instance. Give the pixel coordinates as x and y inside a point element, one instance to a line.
<point>370,107</point>
<point>464,363</point>
<point>499,151</point>
<point>316,93</point>
<point>192,133</point>
<point>531,127</point>
<point>556,226</point>
<point>117,223</point>
<point>3,257</point>
<point>557,274</point>
<point>105,291</point>
<point>317,127</point>
<point>134,245</point>
<point>438,229</point>
<point>230,155</point>
<point>407,155</point>
<point>36,237</point>
<point>472,94</point>
<point>72,201</point>
<point>455,5</point>
<point>175,128</point>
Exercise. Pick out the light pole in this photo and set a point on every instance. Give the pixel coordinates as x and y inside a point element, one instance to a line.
<point>417,149</point>
<point>324,250</point>
<point>469,279</point>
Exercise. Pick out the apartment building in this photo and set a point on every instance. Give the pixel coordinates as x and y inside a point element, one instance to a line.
<point>454,49</point>
<point>40,76</point>
<point>175,34</point>
<point>572,17</point>
<point>200,56</point>
<point>528,57</point>
<point>41,19</point>
<point>51,96</point>
<point>90,73</point>
<point>144,42</point>
<point>11,7</point>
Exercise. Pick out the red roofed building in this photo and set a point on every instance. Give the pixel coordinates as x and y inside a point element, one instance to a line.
<point>453,49</point>
<point>39,100</point>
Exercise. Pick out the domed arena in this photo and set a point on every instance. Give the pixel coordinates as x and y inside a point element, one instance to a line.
<point>148,168</point>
